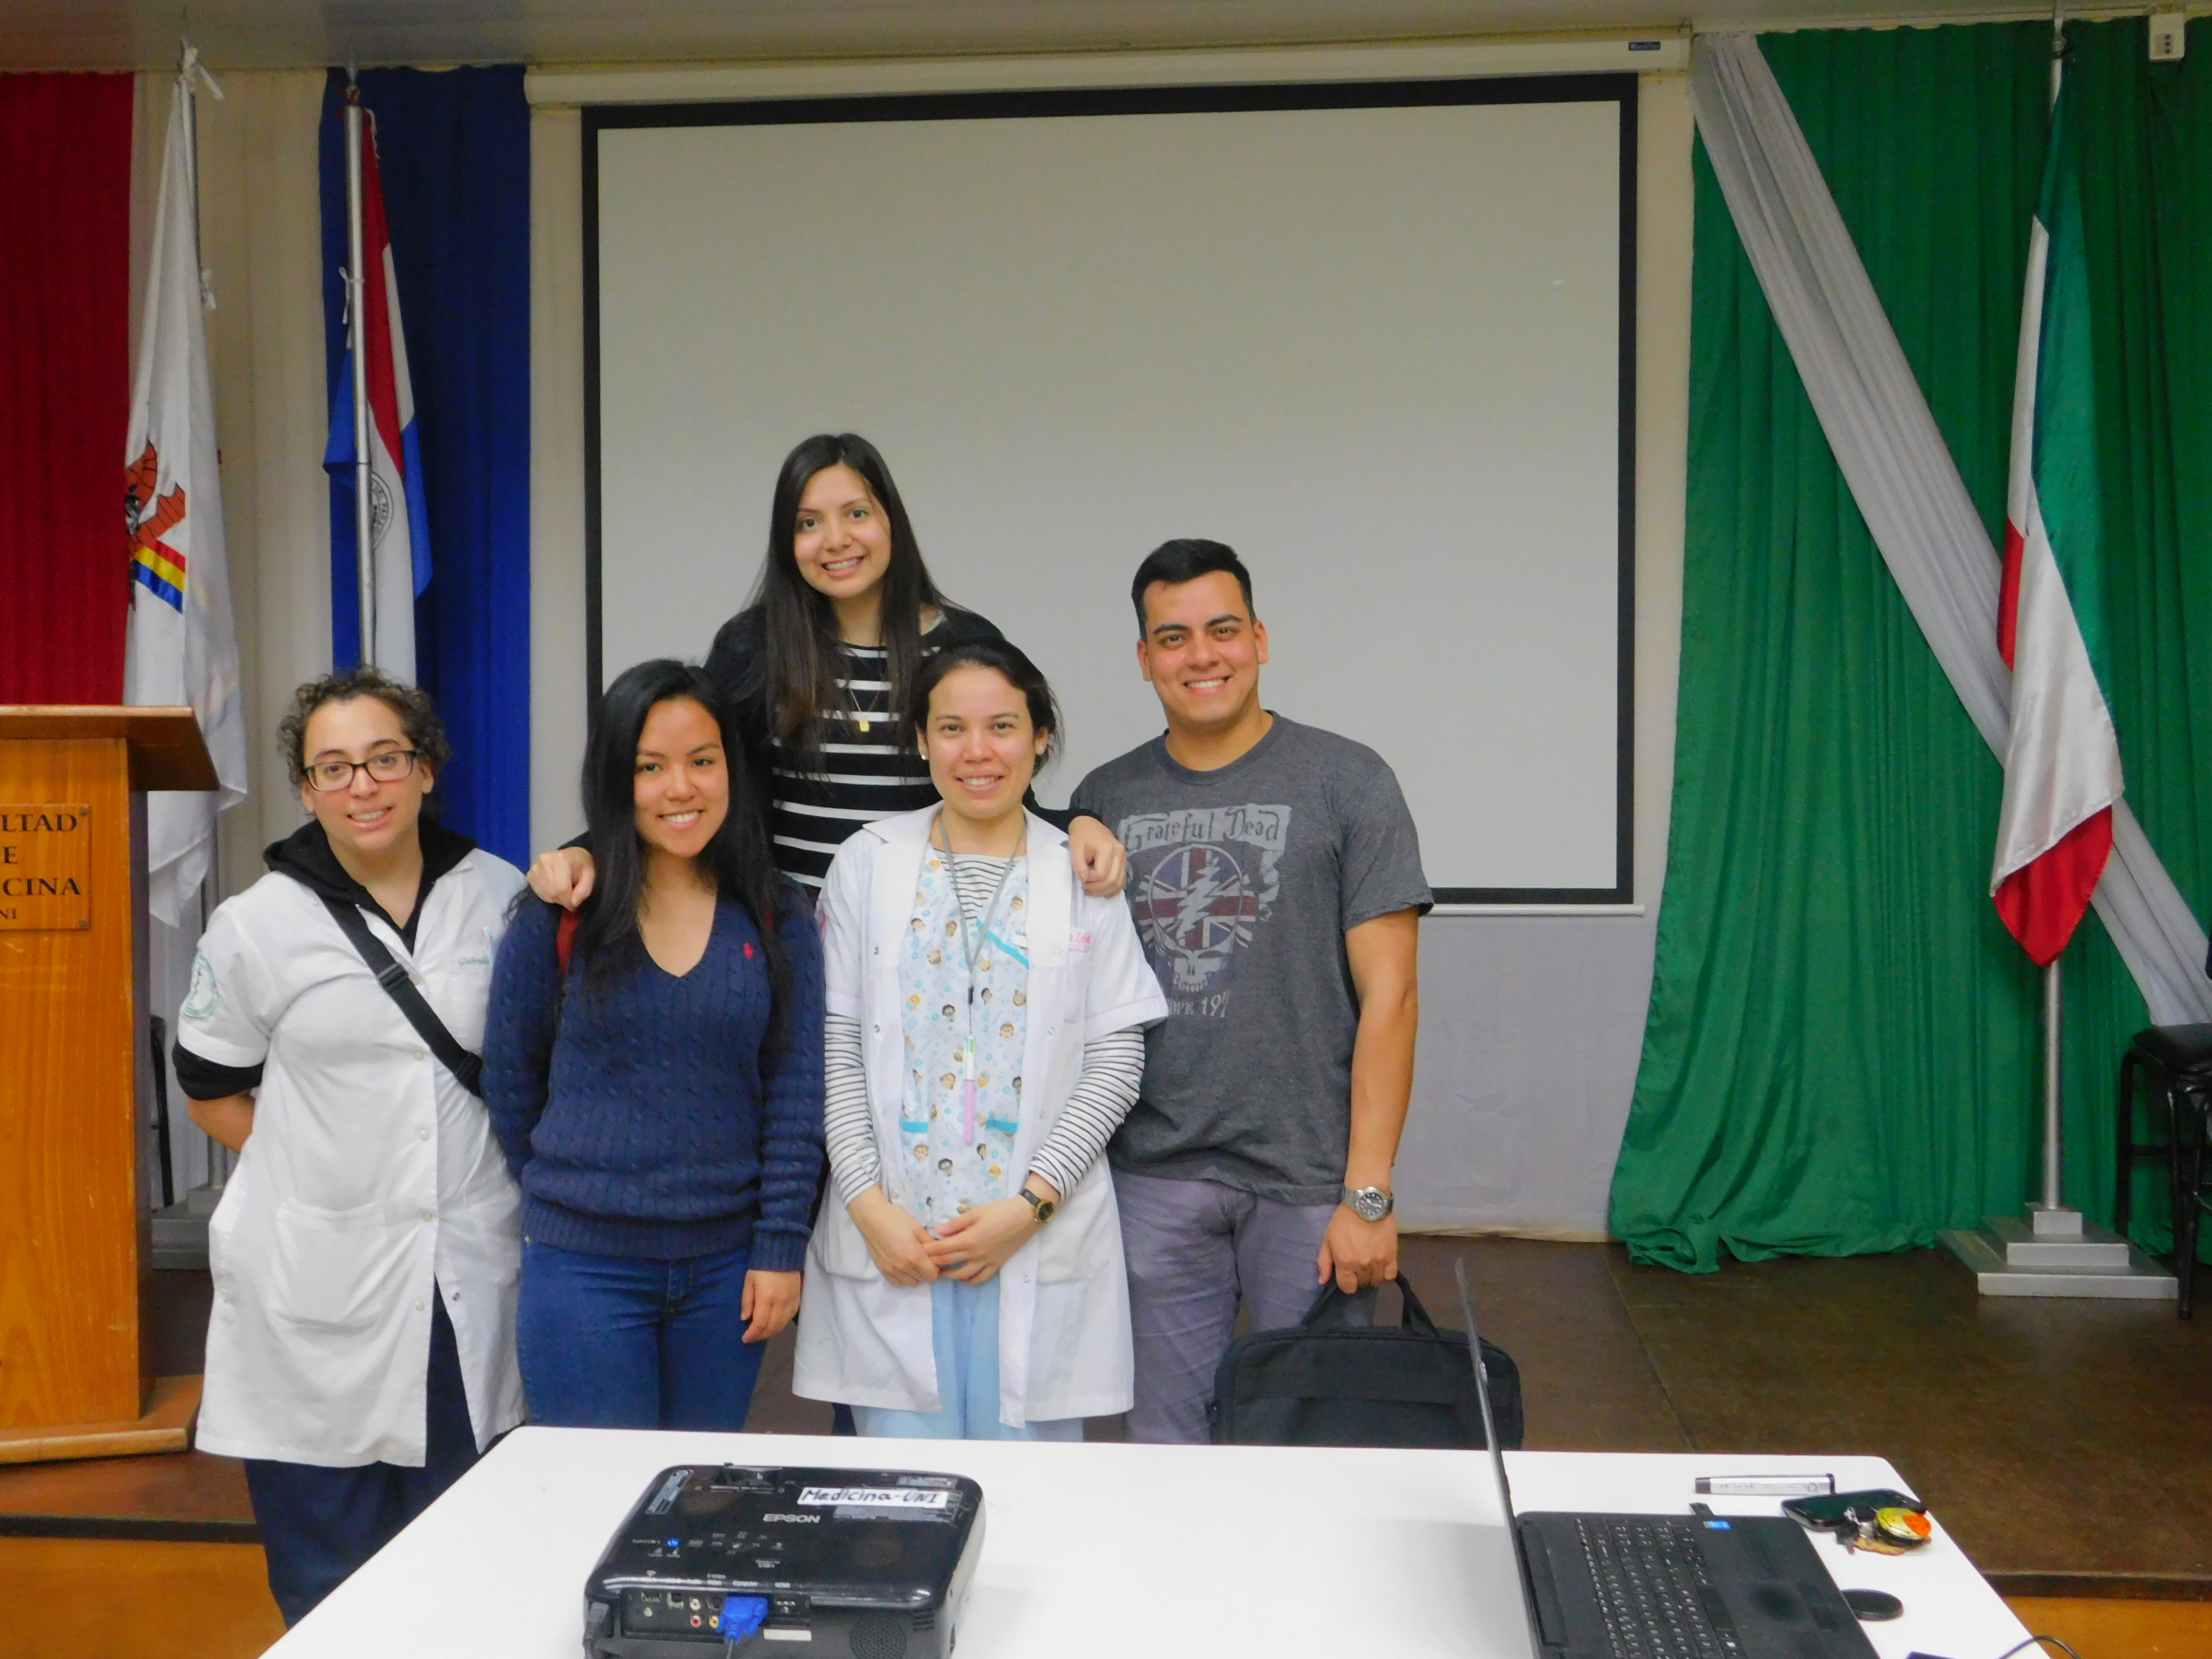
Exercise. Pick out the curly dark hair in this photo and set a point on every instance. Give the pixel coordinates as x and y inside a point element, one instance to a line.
<point>418,716</point>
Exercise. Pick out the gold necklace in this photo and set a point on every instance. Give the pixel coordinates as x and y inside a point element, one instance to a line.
<point>860,720</point>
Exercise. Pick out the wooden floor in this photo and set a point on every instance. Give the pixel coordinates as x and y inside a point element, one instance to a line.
<point>2111,1627</point>
<point>2066,1445</point>
<point>104,1598</point>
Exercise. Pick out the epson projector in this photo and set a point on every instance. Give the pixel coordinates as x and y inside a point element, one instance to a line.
<point>721,1560</point>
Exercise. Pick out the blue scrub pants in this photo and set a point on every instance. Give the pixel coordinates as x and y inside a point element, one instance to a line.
<point>627,1342</point>
<point>964,1333</point>
<point>319,1524</point>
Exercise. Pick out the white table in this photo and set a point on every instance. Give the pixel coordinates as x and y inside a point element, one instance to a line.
<point>1111,1550</point>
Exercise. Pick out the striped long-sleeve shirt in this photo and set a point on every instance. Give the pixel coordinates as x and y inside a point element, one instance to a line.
<point>1105,1088</point>
<point>868,769</point>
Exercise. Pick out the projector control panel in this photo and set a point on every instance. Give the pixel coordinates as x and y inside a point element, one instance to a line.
<point>816,1562</point>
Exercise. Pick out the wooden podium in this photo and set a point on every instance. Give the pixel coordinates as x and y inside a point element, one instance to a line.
<point>75,1091</point>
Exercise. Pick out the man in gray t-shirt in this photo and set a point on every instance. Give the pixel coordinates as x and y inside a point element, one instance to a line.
<point>1275,876</point>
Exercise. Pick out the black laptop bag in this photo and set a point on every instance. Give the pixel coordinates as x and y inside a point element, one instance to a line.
<point>1324,1383</point>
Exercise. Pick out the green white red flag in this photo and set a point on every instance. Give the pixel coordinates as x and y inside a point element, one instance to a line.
<point>2063,767</point>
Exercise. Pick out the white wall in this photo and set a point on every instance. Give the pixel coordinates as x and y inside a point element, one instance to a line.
<point>261,241</point>
<point>1376,349</point>
<point>556,473</point>
<point>1532,1026</point>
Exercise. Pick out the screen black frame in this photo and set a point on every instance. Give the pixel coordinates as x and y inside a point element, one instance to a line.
<point>1619,87</point>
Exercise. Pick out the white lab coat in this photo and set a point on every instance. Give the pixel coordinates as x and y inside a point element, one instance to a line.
<point>1064,1298</point>
<point>370,1172</point>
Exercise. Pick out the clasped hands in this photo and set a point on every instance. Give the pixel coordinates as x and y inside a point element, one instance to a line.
<point>970,1248</point>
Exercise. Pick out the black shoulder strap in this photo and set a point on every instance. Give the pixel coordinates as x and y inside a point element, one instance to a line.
<point>397,984</point>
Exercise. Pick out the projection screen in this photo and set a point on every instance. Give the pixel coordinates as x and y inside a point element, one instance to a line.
<point>1376,337</point>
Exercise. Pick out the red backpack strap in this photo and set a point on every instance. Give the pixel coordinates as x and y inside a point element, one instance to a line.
<point>564,941</point>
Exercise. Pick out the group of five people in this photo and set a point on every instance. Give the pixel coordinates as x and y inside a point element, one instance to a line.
<point>820,1001</point>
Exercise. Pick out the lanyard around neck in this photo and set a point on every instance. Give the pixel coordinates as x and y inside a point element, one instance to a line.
<point>972,949</point>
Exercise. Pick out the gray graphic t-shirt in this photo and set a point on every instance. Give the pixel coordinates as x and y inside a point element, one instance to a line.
<point>1243,881</point>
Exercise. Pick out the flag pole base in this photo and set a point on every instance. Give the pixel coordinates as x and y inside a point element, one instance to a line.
<point>2052,1251</point>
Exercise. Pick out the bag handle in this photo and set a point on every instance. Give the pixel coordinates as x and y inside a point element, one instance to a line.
<point>400,987</point>
<point>1413,1317</point>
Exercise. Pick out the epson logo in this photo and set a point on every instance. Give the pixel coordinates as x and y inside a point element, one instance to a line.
<point>801,1520</point>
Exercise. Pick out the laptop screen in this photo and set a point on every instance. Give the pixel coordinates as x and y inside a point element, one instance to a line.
<point>1496,1453</point>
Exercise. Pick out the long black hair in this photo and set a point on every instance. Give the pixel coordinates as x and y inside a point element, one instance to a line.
<point>1012,664</point>
<point>737,860</point>
<point>801,647</point>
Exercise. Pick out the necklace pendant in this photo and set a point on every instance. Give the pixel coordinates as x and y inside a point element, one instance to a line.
<point>864,726</point>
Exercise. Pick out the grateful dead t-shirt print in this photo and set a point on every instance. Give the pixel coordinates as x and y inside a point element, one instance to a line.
<point>1203,881</point>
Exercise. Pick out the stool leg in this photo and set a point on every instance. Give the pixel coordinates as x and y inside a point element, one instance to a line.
<point>2181,1197</point>
<point>2188,1208</point>
<point>2123,1162</point>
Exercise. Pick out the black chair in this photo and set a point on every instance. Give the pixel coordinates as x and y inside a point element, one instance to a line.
<point>2178,1062</point>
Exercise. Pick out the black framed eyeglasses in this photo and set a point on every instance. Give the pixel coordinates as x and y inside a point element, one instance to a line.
<point>388,766</point>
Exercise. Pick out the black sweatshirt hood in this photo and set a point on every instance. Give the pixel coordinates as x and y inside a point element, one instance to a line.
<point>305,855</point>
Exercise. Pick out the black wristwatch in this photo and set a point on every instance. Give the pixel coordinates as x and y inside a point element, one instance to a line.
<point>1046,1208</point>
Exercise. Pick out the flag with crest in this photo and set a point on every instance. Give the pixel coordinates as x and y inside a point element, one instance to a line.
<point>182,646</point>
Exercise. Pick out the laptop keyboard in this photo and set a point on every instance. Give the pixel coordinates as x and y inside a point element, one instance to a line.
<point>1658,1600</point>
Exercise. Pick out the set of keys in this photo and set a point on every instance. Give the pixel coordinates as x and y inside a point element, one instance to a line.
<point>1890,1530</point>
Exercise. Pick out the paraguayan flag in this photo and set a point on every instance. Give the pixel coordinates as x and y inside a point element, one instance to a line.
<point>399,518</point>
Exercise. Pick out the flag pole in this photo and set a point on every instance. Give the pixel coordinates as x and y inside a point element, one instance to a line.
<point>2054,1090</point>
<point>188,66</point>
<point>188,61</point>
<point>2052,1250</point>
<point>357,347</point>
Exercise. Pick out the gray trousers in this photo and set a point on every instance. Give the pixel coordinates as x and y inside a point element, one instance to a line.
<point>1197,1249</point>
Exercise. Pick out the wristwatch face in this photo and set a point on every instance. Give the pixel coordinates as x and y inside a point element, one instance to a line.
<point>1368,1203</point>
<point>1046,1209</point>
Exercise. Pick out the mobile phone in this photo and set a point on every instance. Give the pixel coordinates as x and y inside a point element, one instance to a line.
<point>1827,1511</point>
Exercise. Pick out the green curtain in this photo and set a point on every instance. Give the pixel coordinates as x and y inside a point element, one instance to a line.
<point>1842,1050</point>
<point>2147,197</point>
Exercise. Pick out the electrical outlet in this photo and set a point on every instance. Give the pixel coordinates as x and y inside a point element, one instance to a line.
<point>2169,36</point>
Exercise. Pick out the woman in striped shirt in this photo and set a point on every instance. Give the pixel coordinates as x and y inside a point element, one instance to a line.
<point>821,667</point>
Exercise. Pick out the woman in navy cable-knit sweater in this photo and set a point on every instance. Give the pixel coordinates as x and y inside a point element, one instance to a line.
<point>661,1100</point>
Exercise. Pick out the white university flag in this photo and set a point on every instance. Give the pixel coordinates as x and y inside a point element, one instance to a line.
<point>182,649</point>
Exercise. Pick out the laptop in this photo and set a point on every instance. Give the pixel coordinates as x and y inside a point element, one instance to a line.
<point>1667,1586</point>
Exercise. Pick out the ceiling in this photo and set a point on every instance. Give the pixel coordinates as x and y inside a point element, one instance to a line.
<point>296,34</point>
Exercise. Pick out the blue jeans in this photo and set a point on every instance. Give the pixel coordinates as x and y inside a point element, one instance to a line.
<point>965,1335</point>
<point>622,1342</point>
<point>319,1524</point>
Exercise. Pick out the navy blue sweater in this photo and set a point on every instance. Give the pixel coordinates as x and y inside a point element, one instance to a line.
<point>659,1121</point>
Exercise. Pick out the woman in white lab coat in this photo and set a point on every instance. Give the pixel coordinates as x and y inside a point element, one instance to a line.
<point>360,1349</point>
<point>985,1037</point>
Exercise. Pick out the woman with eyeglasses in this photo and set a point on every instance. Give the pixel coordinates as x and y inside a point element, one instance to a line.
<point>360,1349</point>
